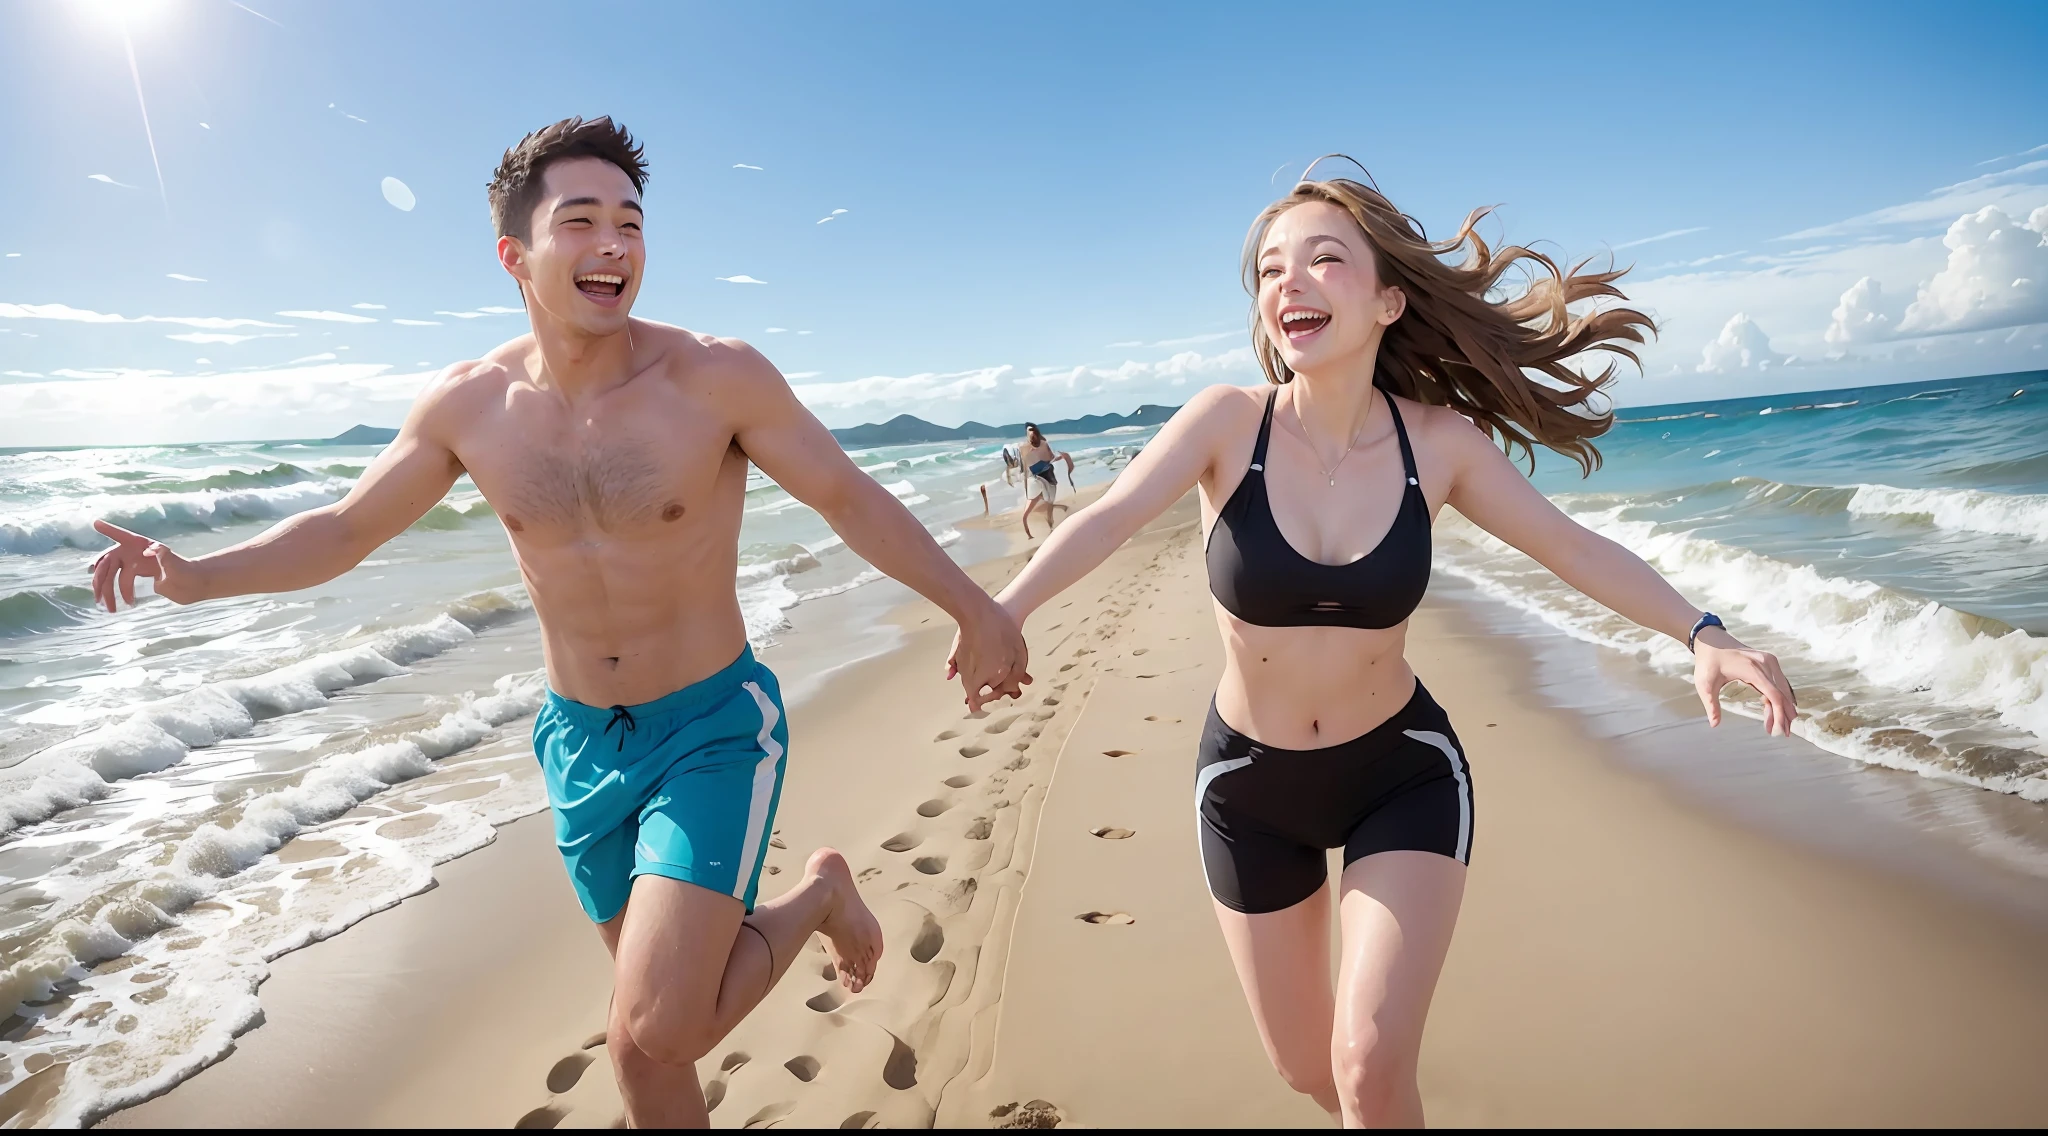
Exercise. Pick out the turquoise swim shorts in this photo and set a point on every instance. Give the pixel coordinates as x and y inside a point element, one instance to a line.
<point>684,786</point>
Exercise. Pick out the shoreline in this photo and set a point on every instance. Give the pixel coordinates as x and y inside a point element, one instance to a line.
<point>1631,952</point>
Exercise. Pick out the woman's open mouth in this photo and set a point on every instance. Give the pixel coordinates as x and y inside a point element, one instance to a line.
<point>1300,323</point>
<point>603,287</point>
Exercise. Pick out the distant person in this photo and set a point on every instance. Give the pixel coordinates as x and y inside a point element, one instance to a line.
<point>615,451</point>
<point>1041,480</point>
<point>1389,367</point>
<point>1010,466</point>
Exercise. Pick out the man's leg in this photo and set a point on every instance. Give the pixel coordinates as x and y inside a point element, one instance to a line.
<point>685,972</point>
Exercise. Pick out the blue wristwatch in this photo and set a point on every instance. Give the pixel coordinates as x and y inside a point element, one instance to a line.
<point>1707,619</point>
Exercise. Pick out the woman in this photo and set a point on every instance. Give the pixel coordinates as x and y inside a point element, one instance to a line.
<point>1041,480</point>
<point>1391,374</point>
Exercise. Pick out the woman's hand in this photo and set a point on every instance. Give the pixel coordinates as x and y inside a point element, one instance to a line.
<point>115,570</point>
<point>1719,659</point>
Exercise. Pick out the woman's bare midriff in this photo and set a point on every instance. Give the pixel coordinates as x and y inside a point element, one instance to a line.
<point>1310,687</point>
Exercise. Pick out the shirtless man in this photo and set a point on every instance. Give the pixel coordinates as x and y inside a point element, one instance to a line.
<point>615,452</point>
<point>1041,480</point>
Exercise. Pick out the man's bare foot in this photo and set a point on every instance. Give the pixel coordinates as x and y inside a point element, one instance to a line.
<point>853,938</point>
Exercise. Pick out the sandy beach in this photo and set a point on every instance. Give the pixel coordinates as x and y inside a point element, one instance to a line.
<point>1626,955</point>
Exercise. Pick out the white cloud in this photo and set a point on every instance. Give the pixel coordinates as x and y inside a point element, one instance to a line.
<point>1741,346</point>
<point>70,314</point>
<point>107,180</point>
<point>226,337</point>
<point>185,278</point>
<point>1127,343</point>
<point>396,192</point>
<point>368,307</point>
<point>496,310</point>
<point>741,279</point>
<point>463,315</point>
<point>795,375</point>
<point>1861,316</point>
<point>2015,190</point>
<point>1191,340</point>
<point>744,166</point>
<point>830,216</point>
<point>417,323</point>
<point>135,407</point>
<point>1661,237</point>
<point>774,330</point>
<point>1996,276</point>
<point>323,357</point>
<point>329,317</point>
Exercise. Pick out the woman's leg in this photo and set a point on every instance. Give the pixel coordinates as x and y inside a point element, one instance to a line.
<point>1397,911</point>
<point>1283,962</point>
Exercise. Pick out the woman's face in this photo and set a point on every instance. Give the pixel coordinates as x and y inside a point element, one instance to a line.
<point>1320,296</point>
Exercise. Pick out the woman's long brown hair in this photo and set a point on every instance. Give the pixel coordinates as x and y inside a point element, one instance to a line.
<point>1463,344</point>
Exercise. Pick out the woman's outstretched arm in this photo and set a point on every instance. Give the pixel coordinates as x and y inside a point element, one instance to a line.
<point>1492,493</point>
<point>1183,452</point>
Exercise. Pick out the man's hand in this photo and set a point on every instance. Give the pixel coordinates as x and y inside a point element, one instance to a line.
<point>136,555</point>
<point>989,656</point>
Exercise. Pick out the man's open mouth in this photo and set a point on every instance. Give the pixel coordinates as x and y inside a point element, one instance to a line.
<point>1301,323</point>
<point>601,285</point>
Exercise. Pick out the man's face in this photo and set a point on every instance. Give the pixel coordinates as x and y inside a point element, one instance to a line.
<point>583,265</point>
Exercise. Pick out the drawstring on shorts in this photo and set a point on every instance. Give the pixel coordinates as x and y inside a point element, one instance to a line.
<point>621,714</point>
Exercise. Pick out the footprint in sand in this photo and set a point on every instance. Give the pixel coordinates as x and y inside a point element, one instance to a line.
<point>1042,715</point>
<point>1157,718</point>
<point>930,937</point>
<point>1020,763</point>
<point>714,1095</point>
<point>867,874</point>
<point>1031,1114</point>
<point>900,1071</point>
<point>929,865</point>
<point>980,828</point>
<point>973,749</point>
<point>1115,917</point>
<point>734,1060</point>
<point>1065,667</point>
<point>960,781</point>
<point>1140,650</point>
<point>566,1072</point>
<point>902,842</point>
<point>933,807</point>
<point>858,1120</point>
<point>946,735</point>
<point>826,1001</point>
<point>1108,833</point>
<point>829,973</point>
<point>592,1042</point>
<point>1118,752</point>
<point>546,1116</point>
<point>999,725</point>
<point>803,1068</point>
<point>770,1114</point>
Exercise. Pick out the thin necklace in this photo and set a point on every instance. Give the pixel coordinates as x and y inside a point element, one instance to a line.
<point>1330,471</point>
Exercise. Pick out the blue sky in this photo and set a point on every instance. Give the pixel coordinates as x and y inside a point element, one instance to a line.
<point>1043,205</point>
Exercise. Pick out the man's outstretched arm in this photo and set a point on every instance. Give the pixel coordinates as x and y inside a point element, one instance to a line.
<point>413,473</point>
<point>794,448</point>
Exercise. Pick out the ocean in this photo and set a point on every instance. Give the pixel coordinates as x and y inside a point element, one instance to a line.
<point>187,793</point>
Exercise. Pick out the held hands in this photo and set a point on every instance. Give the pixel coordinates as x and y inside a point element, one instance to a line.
<point>1719,659</point>
<point>989,656</point>
<point>136,555</point>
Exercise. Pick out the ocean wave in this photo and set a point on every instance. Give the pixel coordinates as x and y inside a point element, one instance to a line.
<point>283,473</point>
<point>447,515</point>
<point>157,735</point>
<point>1807,406</point>
<point>44,609</point>
<point>165,515</point>
<point>161,956</point>
<point>1959,510</point>
<point>1891,638</point>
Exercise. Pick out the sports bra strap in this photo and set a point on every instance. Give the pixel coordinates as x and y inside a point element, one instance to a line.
<point>1401,431</point>
<point>1265,432</point>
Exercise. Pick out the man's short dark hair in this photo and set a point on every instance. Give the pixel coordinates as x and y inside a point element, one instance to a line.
<point>1031,425</point>
<point>516,186</point>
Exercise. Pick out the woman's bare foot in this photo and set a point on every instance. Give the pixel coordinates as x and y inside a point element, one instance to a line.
<point>853,938</point>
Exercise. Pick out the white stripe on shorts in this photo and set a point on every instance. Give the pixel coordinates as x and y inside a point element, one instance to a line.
<point>764,787</point>
<point>1210,773</point>
<point>1464,846</point>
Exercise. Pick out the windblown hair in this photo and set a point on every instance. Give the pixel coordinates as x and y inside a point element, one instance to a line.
<point>1463,342</point>
<point>516,186</point>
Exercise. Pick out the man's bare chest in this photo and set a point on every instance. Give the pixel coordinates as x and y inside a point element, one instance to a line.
<point>620,485</point>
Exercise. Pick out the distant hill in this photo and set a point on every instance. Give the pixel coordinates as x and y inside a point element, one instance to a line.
<point>908,429</point>
<point>902,430</point>
<point>360,435</point>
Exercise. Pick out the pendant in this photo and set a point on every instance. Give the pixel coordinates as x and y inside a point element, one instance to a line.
<point>1333,483</point>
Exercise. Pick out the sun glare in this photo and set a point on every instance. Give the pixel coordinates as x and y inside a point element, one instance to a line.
<point>125,13</point>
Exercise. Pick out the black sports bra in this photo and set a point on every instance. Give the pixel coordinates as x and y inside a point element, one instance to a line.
<point>1258,577</point>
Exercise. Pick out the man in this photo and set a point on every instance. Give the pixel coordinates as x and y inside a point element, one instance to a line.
<point>1041,480</point>
<point>615,451</point>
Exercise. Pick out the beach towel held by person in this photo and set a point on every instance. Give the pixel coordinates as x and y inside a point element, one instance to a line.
<point>1042,483</point>
<point>615,452</point>
<point>1390,359</point>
